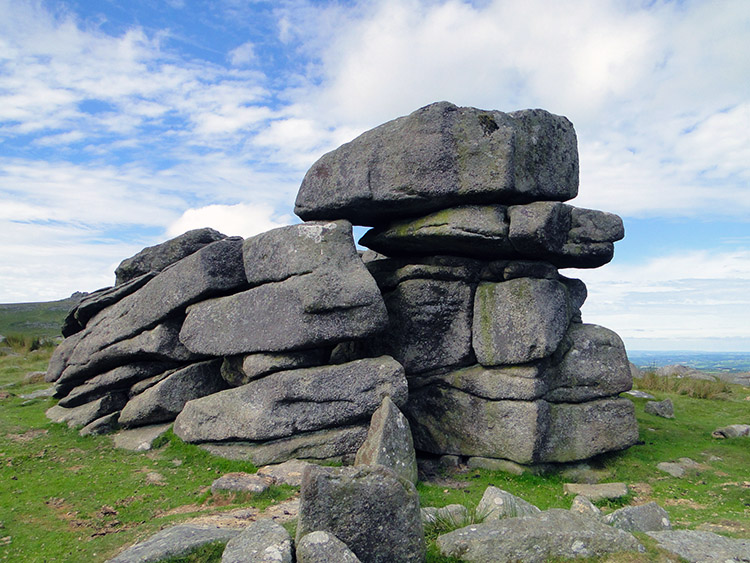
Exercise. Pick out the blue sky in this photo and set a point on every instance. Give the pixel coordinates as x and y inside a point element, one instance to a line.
<point>125,123</point>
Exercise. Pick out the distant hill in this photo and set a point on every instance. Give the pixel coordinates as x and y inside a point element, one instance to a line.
<point>36,319</point>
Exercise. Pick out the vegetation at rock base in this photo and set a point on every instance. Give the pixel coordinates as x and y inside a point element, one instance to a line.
<point>71,498</point>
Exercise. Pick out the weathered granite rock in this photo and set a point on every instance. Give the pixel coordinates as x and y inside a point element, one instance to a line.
<point>539,228</point>
<point>596,491</point>
<point>288,473</point>
<point>90,305</point>
<point>590,225</point>
<point>389,442</point>
<point>160,344</point>
<point>173,542</point>
<point>580,431</point>
<point>157,258</point>
<point>238,370</point>
<point>323,547</point>
<point>649,517</point>
<point>89,412</point>
<point>103,425</point>
<point>441,156</point>
<point>497,504</point>
<point>429,325</point>
<point>59,360</point>
<point>703,547</point>
<point>368,507</point>
<point>389,272</point>
<point>165,400</point>
<point>287,402</point>
<point>334,444</point>
<point>336,300</point>
<point>241,483</point>
<point>118,378</point>
<point>664,409</point>
<point>583,505</point>
<point>479,231</point>
<point>518,321</point>
<point>263,541</point>
<point>674,469</point>
<point>555,533</point>
<point>477,462</point>
<point>732,431</point>
<point>595,366</point>
<point>140,439</point>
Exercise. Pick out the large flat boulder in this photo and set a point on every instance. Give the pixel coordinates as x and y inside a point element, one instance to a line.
<point>289,402</point>
<point>442,156</point>
<point>156,258</point>
<point>368,507</point>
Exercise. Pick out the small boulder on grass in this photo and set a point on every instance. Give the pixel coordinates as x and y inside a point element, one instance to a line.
<point>497,504</point>
<point>263,541</point>
<point>288,473</point>
<point>241,483</point>
<point>598,491</point>
<point>649,517</point>
<point>664,409</point>
<point>582,505</point>
<point>324,547</point>
<point>732,431</point>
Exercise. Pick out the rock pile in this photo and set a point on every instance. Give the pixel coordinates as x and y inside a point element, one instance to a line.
<point>284,344</point>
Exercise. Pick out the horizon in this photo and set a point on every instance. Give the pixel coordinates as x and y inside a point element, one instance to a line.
<point>125,125</point>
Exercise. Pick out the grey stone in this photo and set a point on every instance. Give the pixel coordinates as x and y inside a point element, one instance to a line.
<point>521,382</point>
<point>173,542</point>
<point>288,473</point>
<point>157,258</point>
<point>555,533</point>
<point>635,371</point>
<point>39,393</point>
<point>120,377</point>
<point>539,229</point>
<point>518,321</point>
<point>334,444</point>
<point>429,325</point>
<point>165,400</point>
<point>288,402</point>
<point>389,442</point>
<point>583,505</point>
<point>596,491</point>
<point>140,439</point>
<point>429,515</point>
<point>528,269</point>
<point>664,409</point>
<point>323,547</point>
<point>497,503</point>
<point>159,344</point>
<point>89,306</point>
<point>732,431</point>
<point>479,231</point>
<point>215,269</point>
<point>491,464</point>
<point>639,394</point>
<point>263,541</point>
<point>59,360</point>
<point>590,225</point>
<point>325,306</point>
<point>584,255</point>
<point>441,156</point>
<point>649,517</point>
<point>595,366</point>
<point>238,370</point>
<point>89,412</point>
<point>104,425</point>
<point>141,386</point>
<point>703,547</point>
<point>674,469</point>
<point>389,272</point>
<point>580,431</point>
<point>368,507</point>
<point>241,483</point>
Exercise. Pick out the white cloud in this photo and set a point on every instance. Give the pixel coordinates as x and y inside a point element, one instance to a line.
<point>242,55</point>
<point>242,219</point>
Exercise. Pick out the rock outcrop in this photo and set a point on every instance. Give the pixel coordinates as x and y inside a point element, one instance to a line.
<point>283,345</point>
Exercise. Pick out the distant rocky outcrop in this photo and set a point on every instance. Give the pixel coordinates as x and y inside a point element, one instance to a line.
<point>283,345</point>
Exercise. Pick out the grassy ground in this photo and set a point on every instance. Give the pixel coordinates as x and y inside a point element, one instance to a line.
<point>41,320</point>
<point>68,498</point>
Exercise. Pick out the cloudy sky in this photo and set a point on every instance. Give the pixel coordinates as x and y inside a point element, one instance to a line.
<point>124,123</point>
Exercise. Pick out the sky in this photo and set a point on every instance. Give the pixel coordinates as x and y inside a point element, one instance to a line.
<point>125,123</point>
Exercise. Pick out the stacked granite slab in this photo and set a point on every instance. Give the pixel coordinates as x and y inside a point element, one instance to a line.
<point>469,231</point>
<point>231,338</point>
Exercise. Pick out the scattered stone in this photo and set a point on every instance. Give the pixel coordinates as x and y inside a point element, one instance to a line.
<point>674,469</point>
<point>289,473</point>
<point>429,514</point>
<point>368,507</point>
<point>583,505</point>
<point>664,409</point>
<point>263,541</point>
<point>497,504</point>
<point>496,465</point>
<point>104,425</point>
<point>732,431</point>
<point>639,394</point>
<point>33,377</point>
<point>649,517</point>
<point>84,414</point>
<point>39,393</point>
<point>323,547</point>
<point>598,491</point>
<point>389,442</point>
<point>456,514</point>
<point>555,533</point>
<point>173,542</point>
<point>703,547</point>
<point>241,483</point>
<point>140,439</point>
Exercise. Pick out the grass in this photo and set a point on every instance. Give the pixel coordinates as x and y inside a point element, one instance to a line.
<point>71,498</point>
<point>696,388</point>
<point>42,320</point>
